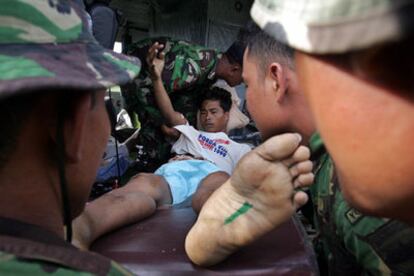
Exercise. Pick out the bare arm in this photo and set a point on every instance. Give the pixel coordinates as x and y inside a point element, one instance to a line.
<point>155,60</point>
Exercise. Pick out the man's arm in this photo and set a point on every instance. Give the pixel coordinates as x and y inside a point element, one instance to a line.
<point>155,60</point>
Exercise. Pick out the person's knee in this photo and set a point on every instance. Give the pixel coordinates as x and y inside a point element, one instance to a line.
<point>221,175</point>
<point>124,197</point>
<point>215,179</point>
<point>150,184</point>
<point>207,186</point>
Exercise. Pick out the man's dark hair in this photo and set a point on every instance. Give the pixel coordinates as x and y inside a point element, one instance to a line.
<point>13,112</point>
<point>266,49</point>
<point>235,52</point>
<point>217,94</point>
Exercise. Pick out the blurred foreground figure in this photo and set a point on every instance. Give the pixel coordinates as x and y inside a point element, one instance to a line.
<point>54,129</point>
<point>347,242</point>
<point>354,62</point>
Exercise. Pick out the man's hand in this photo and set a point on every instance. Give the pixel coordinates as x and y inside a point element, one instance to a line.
<point>155,60</point>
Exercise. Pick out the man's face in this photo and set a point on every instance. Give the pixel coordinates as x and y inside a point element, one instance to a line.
<point>369,132</point>
<point>212,116</point>
<point>260,98</point>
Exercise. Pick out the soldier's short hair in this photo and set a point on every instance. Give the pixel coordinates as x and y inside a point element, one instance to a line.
<point>266,49</point>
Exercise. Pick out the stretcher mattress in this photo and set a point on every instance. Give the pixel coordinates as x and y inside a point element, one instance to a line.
<point>155,246</point>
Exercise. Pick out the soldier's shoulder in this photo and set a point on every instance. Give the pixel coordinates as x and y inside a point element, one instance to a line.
<point>13,265</point>
<point>349,218</point>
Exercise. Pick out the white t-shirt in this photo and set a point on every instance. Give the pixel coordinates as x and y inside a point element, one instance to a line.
<point>216,147</point>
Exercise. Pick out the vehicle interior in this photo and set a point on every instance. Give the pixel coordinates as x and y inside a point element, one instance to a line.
<point>155,246</point>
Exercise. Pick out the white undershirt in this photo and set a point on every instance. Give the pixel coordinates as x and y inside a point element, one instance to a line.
<point>216,147</point>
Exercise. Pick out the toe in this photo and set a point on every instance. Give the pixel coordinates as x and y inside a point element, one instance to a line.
<point>299,199</point>
<point>279,147</point>
<point>303,180</point>
<point>302,153</point>
<point>303,167</point>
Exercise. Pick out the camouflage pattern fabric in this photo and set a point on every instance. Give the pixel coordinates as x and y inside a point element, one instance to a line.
<point>45,44</point>
<point>27,249</point>
<point>188,70</point>
<point>14,265</point>
<point>334,26</point>
<point>348,242</point>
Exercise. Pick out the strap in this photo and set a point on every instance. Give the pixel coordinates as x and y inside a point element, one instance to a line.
<point>65,256</point>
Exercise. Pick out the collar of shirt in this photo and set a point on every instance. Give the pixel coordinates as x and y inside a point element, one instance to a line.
<point>18,229</point>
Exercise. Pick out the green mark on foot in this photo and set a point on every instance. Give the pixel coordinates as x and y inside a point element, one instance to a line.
<point>245,207</point>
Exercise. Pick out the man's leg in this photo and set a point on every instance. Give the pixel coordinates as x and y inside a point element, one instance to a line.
<point>207,186</point>
<point>136,200</point>
<point>259,196</point>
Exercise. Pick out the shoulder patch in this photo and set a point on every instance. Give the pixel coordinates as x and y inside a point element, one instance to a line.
<point>353,215</point>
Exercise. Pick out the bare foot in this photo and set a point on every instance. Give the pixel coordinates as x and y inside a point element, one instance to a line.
<point>259,196</point>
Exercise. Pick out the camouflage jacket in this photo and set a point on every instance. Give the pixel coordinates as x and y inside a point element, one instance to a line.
<point>348,242</point>
<point>188,70</point>
<point>26,249</point>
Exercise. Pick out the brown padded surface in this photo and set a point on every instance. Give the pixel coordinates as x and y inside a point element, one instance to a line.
<point>155,246</point>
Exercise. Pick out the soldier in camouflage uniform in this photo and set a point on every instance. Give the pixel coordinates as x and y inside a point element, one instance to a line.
<point>54,125</point>
<point>354,60</point>
<point>347,242</point>
<point>189,69</point>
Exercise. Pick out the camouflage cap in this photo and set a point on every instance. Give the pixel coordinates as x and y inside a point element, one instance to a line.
<point>334,26</point>
<point>45,44</point>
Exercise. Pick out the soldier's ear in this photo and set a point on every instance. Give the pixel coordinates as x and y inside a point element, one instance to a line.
<point>236,68</point>
<point>276,75</point>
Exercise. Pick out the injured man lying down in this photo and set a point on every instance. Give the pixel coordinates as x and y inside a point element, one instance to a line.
<point>204,159</point>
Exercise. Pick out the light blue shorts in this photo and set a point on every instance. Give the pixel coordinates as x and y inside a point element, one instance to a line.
<point>184,176</point>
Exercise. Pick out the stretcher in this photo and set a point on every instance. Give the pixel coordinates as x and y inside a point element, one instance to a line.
<point>155,246</point>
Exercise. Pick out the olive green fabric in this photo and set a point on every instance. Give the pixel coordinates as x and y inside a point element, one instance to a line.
<point>45,44</point>
<point>27,249</point>
<point>348,242</point>
<point>13,265</point>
